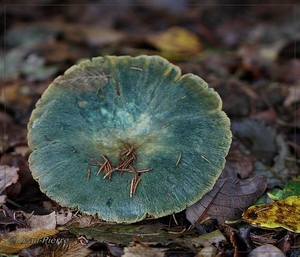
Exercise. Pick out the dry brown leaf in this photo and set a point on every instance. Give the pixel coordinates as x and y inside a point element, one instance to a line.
<point>74,248</point>
<point>208,251</point>
<point>17,240</point>
<point>266,251</point>
<point>293,95</point>
<point>63,217</point>
<point>140,250</point>
<point>8,176</point>
<point>41,221</point>
<point>2,199</point>
<point>228,199</point>
<point>83,221</point>
<point>238,164</point>
<point>213,238</point>
<point>93,35</point>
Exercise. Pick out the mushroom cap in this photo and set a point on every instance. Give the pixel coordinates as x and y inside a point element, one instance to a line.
<point>174,124</point>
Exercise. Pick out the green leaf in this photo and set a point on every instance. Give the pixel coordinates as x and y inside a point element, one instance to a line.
<point>292,188</point>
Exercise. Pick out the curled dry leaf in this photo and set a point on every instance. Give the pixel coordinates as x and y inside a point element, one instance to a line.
<point>227,200</point>
<point>41,221</point>
<point>8,176</point>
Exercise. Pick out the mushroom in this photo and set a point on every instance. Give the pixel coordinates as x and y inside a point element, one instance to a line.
<point>126,138</point>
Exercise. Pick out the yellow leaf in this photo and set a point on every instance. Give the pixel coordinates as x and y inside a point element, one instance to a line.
<point>17,240</point>
<point>176,43</point>
<point>284,213</point>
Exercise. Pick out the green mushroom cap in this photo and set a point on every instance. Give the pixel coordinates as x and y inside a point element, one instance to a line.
<point>128,137</point>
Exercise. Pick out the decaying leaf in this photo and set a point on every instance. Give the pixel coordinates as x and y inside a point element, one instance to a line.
<point>284,213</point>
<point>17,240</point>
<point>227,200</point>
<point>238,164</point>
<point>207,252</point>
<point>151,231</point>
<point>141,250</point>
<point>71,248</point>
<point>2,199</point>
<point>124,233</point>
<point>41,221</point>
<point>176,43</point>
<point>268,148</point>
<point>209,239</point>
<point>267,251</point>
<point>8,176</point>
<point>63,217</point>
<point>293,95</point>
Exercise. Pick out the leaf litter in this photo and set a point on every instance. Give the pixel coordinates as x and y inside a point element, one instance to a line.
<point>227,200</point>
<point>37,53</point>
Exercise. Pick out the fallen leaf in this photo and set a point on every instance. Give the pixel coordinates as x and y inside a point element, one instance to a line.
<point>148,231</point>
<point>124,233</point>
<point>2,199</point>
<point>176,43</point>
<point>238,164</point>
<point>293,95</point>
<point>292,188</point>
<point>8,176</point>
<point>208,251</point>
<point>92,35</point>
<point>41,221</point>
<point>266,251</point>
<point>26,188</point>
<point>268,149</point>
<point>68,248</point>
<point>209,239</point>
<point>140,250</point>
<point>63,218</point>
<point>284,213</point>
<point>17,240</point>
<point>227,200</point>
